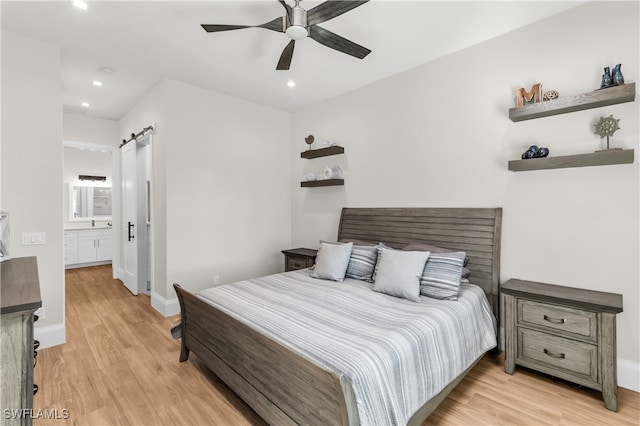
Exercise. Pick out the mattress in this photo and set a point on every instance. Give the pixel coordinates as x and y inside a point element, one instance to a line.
<point>398,354</point>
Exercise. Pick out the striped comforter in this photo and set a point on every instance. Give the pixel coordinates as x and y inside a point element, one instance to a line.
<point>397,353</point>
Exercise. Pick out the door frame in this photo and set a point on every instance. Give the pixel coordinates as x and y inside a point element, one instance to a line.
<point>115,199</point>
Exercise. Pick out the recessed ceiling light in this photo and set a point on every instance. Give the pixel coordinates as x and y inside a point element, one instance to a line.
<point>85,104</point>
<point>80,4</point>
<point>291,83</point>
<point>97,83</point>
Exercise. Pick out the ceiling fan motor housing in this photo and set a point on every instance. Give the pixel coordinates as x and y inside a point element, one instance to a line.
<point>297,28</point>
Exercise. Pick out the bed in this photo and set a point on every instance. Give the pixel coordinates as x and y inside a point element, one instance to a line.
<point>285,383</point>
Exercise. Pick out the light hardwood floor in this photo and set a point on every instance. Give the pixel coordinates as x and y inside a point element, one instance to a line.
<point>120,366</point>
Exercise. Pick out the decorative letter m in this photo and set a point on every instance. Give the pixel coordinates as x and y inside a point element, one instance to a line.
<point>531,96</point>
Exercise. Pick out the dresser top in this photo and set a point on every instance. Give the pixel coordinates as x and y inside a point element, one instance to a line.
<point>569,296</point>
<point>19,285</point>
<point>301,252</point>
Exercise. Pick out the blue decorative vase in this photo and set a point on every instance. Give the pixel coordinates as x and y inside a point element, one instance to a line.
<point>606,79</point>
<point>617,77</point>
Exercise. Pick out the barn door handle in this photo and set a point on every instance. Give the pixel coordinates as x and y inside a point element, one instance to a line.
<point>130,237</point>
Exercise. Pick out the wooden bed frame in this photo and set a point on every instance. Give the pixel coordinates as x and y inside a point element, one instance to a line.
<point>283,387</point>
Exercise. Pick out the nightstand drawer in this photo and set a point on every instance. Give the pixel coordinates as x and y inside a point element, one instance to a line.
<point>559,318</point>
<point>294,263</point>
<point>565,355</point>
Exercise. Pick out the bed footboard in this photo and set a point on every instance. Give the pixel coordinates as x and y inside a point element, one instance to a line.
<point>280,385</point>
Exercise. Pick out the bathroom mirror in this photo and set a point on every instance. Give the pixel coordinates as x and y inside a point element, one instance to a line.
<point>90,202</point>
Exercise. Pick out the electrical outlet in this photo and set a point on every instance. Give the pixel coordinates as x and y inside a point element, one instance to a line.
<point>216,279</point>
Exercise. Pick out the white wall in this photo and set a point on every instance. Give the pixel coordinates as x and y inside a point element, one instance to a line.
<point>32,166</point>
<point>223,165</point>
<point>86,162</point>
<point>439,136</point>
<point>83,128</point>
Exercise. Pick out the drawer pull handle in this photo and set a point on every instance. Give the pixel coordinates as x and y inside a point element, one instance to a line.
<point>555,320</point>
<point>553,355</point>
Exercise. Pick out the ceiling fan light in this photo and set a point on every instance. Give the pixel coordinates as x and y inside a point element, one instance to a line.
<point>296,32</point>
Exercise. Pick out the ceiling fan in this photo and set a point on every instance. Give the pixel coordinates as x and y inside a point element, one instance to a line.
<point>298,24</point>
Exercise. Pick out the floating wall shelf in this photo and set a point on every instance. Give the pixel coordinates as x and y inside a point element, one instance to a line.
<point>595,99</point>
<point>603,158</point>
<point>322,182</point>
<point>322,152</point>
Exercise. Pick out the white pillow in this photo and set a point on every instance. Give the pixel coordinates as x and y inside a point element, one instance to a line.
<point>332,261</point>
<point>398,272</point>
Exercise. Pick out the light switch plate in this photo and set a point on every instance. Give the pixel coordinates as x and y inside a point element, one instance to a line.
<point>33,238</point>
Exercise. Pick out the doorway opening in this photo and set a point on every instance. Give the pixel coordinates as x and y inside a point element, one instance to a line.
<point>90,204</point>
<point>84,216</point>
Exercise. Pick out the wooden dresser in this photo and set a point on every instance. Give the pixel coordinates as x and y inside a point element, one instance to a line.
<point>20,289</point>
<point>566,332</point>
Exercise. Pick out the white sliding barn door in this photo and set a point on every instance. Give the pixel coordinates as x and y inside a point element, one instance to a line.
<point>129,221</point>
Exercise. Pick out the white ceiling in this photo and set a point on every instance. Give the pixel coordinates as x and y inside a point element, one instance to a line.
<point>145,41</point>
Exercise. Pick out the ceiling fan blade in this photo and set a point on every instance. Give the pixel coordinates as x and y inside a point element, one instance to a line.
<point>287,8</point>
<point>285,59</point>
<point>330,9</point>
<point>274,25</point>
<point>337,42</point>
<point>212,28</point>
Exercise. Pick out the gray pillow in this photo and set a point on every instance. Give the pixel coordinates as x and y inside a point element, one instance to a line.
<point>332,261</point>
<point>362,262</point>
<point>442,275</point>
<point>398,272</point>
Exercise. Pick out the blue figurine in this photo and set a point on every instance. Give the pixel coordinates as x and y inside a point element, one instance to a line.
<point>535,152</point>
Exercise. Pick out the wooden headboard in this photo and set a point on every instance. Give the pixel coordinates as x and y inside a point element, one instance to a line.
<point>475,231</point>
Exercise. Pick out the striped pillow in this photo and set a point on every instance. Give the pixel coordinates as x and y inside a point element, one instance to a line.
<point>435,249</point>
<point>442,274</point>
<point>362,262</point>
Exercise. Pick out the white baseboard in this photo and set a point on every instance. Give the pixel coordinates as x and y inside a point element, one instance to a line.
<point>118,273</point>
<point>628,371</point>
<point>50,335</point>
<point>629,374</point>
<point>84,265</point>
<point>167,307</point>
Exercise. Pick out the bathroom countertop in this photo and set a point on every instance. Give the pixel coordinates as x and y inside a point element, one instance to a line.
<point>80,228</point>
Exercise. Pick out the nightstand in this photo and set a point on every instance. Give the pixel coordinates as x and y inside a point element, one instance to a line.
<point>299,258</point>
<point>565,332</point>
